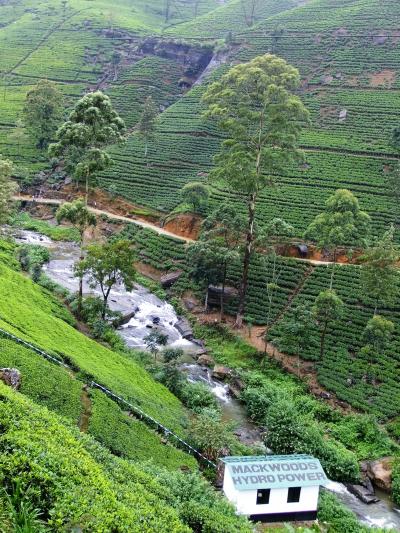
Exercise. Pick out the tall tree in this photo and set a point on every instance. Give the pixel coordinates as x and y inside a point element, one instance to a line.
<point>147,122</point>
<point>218,247</point>
<point>342,223</point>
<point>250,10</point>
<point>327,308</point>
<point>261,119</point>
<point>43,112</point>
<point>91,126</point>
<point>195,194</point>
<point>107,265</point>
<point>296,333</point>
<point>77,214</point>
<point>7,189</point>
<point>376,337</point>
<point>380,274</point>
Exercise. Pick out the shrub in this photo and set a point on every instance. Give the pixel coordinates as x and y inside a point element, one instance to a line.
<point>396,481</point>
<point>339,518</point>
<point>290,432</point>
<point>197,397</point>
<point>258,401</point>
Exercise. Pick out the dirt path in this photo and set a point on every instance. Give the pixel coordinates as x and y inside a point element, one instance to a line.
<point>305,370</point>
<point>86,413</point>
<point>142,223</point>
<point>113,216</point>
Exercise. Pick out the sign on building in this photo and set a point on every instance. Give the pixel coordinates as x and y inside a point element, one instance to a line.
<point>274,488</point>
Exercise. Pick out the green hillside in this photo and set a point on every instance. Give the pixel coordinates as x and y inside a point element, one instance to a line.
<point>76,450</point>
<point>349,61</point>
<point>77,484</point>
<point>90,32</point>
<point>32,314</point>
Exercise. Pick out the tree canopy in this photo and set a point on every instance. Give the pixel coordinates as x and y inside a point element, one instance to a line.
<point>254,106</point>
<point>7,189</point>
<point>195,194</point>
<point>91,126</point>
<point>43,112</point>
<point>380,275</point>
<point>107,265</point>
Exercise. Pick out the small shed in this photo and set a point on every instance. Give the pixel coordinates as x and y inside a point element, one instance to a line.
<point>274,488</point>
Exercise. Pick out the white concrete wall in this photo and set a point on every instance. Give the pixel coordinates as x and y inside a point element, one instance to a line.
<point>246,500</point>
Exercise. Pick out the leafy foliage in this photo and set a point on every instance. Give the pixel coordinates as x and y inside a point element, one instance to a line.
<point>7,189</point>
<point>91,126</point>
<point>43,112</point>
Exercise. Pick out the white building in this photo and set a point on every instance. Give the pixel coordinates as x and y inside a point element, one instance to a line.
<point>274,488</point>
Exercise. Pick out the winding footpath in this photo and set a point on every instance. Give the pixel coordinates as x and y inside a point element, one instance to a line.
<point>138,222</point>
<point>112,216</point>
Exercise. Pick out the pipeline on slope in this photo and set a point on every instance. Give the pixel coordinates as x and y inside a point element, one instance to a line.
<point>139,413</point>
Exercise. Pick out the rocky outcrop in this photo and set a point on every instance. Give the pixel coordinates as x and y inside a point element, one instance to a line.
<point>380,473</point>
<point>184,328</point>
<point>221,372</point>
<point>11,377</point>
<point>195,58</point>
<point>170,279</point>
<point>214,295</point>
<point>206,360</point>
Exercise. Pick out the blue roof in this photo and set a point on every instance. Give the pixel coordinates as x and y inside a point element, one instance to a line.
<point>275,471</point>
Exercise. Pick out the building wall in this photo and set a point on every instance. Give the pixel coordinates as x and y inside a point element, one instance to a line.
<point>245,500</point>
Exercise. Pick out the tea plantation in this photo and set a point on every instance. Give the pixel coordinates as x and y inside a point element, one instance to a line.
<point>121,472</point>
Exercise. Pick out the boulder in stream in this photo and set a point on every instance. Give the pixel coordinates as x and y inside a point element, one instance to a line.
<point>184,328</point>
<point>221,372</point>
<point>236,386</point>
<point>380,473</point>
<point>362,493</point>
<point>206,360</point>
<point>124,319</point>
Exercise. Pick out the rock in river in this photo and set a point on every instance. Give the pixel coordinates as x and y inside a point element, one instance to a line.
<point>380,473</point>
<point>221,372</point>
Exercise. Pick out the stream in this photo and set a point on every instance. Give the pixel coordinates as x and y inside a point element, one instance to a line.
<point>152,312</point>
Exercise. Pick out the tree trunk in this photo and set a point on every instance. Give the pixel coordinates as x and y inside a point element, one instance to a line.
<point>87,190</point>
<point>246,261</point>
<point>146,149</point>
<point>80,292</point>
<point>323,336</point>
<point>222,294</point>
<point>103,311</point>
<point>333,269</point>
<point>105,300</point>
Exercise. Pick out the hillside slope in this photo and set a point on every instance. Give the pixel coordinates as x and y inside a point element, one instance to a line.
<point>349,60</point>
<point>76,484</point>
<point>34,315</point>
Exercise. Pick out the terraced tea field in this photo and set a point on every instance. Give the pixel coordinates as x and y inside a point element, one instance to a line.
<point>349,60</point>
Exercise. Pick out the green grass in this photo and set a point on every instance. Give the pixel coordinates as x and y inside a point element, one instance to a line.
<point>56,233</point>
<point>129,438</point>
<point>44,382</point>
<point>35,316</point>
<point>75,481</point>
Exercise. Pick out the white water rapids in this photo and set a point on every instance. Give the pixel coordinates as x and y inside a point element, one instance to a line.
<point>152,312</point>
